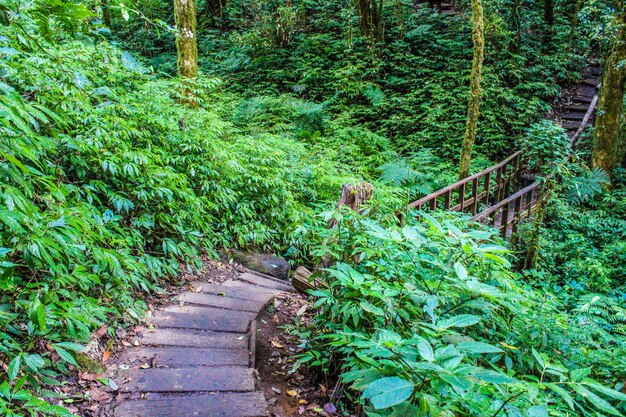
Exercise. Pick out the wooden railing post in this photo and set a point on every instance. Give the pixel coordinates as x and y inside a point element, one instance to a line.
<point>461,196</point>
<point>504,223</point>
<point>499,184</point>
<point>517,213</point>
<point>487,188</point>
<point>474,196</point>
<point>446,202</point>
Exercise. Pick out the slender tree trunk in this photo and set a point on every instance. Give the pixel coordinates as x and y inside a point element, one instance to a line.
<point>608,146</point>
<point>371,18</point>
<point>548,12</point>
<point>572,34</point>
<point>548,17</point>
<point>186,45</point>
<point>515,22</point>
<point>106,12</point>
<point>473,109</point>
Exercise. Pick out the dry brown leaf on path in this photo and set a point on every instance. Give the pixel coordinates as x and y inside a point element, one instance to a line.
<point>99,395</point>
<point>106,355</point>
<point>277,345</point>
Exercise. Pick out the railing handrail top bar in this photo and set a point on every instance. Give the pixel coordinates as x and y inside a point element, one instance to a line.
<point>451,187</point>
<point>507,200</point>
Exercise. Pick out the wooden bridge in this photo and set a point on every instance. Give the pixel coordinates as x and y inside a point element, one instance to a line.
<point>504,194</point>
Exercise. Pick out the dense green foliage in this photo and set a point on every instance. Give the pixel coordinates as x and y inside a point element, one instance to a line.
<point>110,186</point>
<point>431,322</point>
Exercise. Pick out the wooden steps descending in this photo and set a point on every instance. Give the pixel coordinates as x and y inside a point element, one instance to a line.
<point>198,359</point>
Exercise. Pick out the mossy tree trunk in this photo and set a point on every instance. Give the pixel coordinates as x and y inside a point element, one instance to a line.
<point>473,109</point>
<point>370,18</point>
<point>186,45</point>
<point>608,146</point>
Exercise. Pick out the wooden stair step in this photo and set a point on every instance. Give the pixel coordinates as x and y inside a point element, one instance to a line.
<point>591,81</point>
<point>577,107</point>
<point>235,289</point>
<point>191,338</point>
<point>203,318</point>
<point>266,282</point>
<point>583,99</point>
<point>183,356</point>
<point>573,116</point>
<point>225,302</point>
<point>570,124</point>
<point>239,379</point>
<point>585,91</point>
<point>223,404</point>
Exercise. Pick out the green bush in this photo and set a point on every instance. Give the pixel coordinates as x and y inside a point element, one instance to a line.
<point>428,320</point>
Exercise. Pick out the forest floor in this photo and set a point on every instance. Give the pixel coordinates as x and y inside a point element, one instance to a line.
<point>289,392</point>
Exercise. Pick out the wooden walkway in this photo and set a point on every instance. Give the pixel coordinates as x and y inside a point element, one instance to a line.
<point>198,360</point>
<point>499,195</point>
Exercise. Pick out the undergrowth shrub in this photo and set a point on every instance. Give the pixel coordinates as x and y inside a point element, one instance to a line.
<point>428,320</point>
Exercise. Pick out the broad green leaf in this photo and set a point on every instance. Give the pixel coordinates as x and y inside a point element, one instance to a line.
<point>462,320</point>
<point>65,355</point>
<point>14,367</point>
<point>478,347</point>
<point>388,391</point>
<point>598,402</point>
<point>34,362</point>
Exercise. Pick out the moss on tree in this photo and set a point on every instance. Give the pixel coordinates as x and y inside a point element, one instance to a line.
<point>473,109</point>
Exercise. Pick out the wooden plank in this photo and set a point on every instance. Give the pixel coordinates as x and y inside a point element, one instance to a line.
<point>234,289</point>
<point>266,282</point>
<point>573,116</point>
<point>475,198</point>
<point>183,356</point>
<point>223,404</point>
<point>225,302</point>
<point>577,107</point>
<point>191,338</point>
<point>203,318</point>
<point>584,122</point>
<point>235,378</point>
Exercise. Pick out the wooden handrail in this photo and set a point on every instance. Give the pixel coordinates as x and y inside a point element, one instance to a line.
<point>523,205</point>
<point>501,186</point>
<point>494,209</point>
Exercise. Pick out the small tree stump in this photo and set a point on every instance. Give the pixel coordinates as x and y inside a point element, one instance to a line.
<point>353,196</point>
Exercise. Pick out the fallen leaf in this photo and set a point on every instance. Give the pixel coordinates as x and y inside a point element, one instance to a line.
<point>292,393</point>
<point>276,390</point>
<point>99,395</point>
<point>277,345</point>
<point>106,355</point>
<point>302,310</point>
<point>330,408</point>
<point>303,402</point>
<point>101,331</point>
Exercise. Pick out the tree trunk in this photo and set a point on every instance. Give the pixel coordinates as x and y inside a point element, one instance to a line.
<point>548,18</point>
<point>608,146</point>
<point>106,13</point>
<point>215,8</point>
<point>572,34</point>
<point>548,12</point>
<point>370,18</point>
<point>515,22</point>
<point>473,109</point>
<point>186,45</point>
